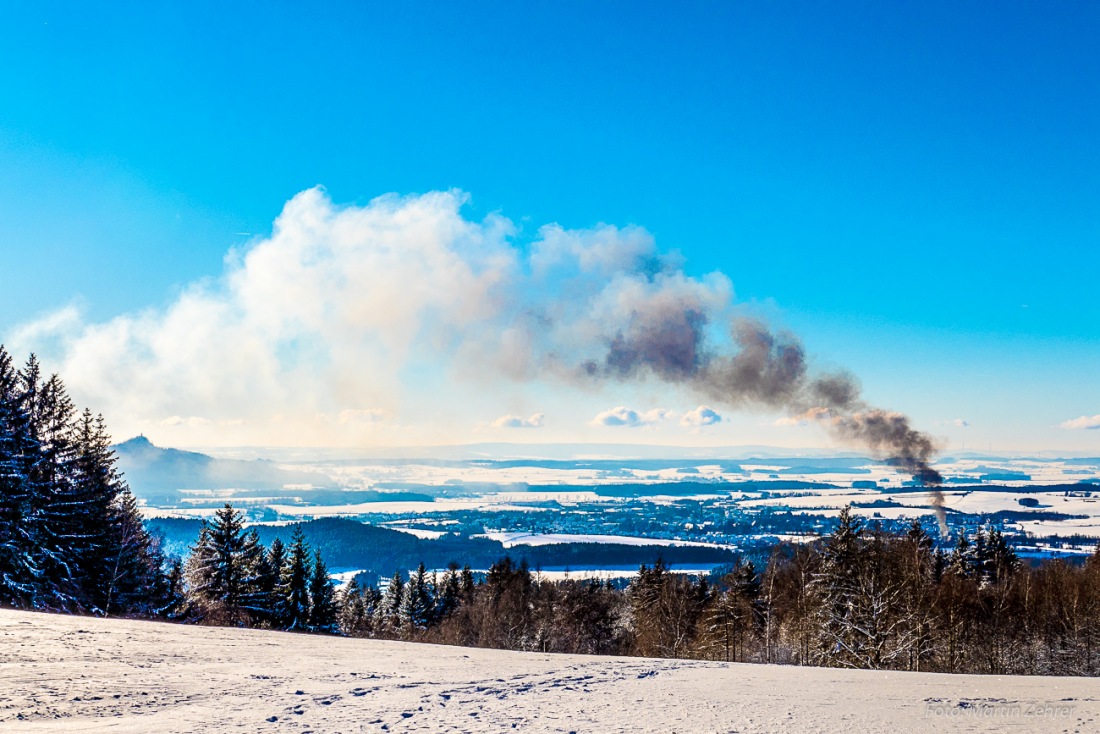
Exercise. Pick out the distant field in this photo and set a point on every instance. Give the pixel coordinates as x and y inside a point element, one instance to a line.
<point>556,511</point>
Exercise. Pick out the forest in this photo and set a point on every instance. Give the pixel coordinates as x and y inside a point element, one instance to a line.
<point>72,540</point>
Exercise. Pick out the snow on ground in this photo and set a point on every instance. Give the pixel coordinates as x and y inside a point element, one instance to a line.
<point>395,508</point>
<point>979,502</point>
<point>418,532</point>
<point>343,576</point>
<point>78,674</point>
<point>1089,527</point>
<point>566,496</point>
<point>511,538</point>
<point>149,513</point>
<point>620,572</point>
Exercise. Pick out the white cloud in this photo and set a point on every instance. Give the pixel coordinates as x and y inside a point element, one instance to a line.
<point>621,416</point>
<point>1086,422</point>
<point>960,423</point>
<point>701,416</point>
<point>346,319</point>
<point>315,320</point>
<point>516,421</point>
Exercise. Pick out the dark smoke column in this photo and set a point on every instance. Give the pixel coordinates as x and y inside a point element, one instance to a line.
<point>907,448</point>
<point>762,369</point>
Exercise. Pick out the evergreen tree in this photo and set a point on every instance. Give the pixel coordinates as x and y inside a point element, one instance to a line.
<point>218,568</point>
<point>176,604</point>
<point>838,589</point>
<point>417,603</point>
<point>295,584</point>
<point>55,518</point>
<point>449,593</point>
<point>466,584</point>
<point>264,601</point>
<point>388,612</point>
<point>920,570</point>
<point>1002,561</point>
<point>322,610</point>
<point>20,574</point>
<point>666,609</point>
<point>277,565</point>
<point>732,615</point>
<point>136,583</point>
<point>253,560</point>
<point>355,607</point>
<point>118,564</point>
<point>510,595</point>
<point>962,561</point>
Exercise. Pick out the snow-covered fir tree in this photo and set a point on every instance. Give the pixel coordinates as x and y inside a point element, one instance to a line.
<point>388,611</point>
<point>71,536</point>
<point>295,584</point>
<point>322,608</point>
<point>418,603</point>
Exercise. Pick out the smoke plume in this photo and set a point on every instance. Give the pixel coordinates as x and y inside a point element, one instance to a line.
<point>392,309</point>
<point>759,368</point>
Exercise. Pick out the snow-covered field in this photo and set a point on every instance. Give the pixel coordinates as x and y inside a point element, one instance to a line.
<point>76,674</point>
<point>512,538</point>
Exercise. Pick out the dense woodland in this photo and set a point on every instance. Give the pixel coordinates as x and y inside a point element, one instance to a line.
<point>71,535</point>
<point>858,598</point>
<point>72,539</point>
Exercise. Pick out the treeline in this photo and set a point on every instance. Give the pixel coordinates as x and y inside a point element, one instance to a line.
<point>858,598</point>
<point>71,535</point>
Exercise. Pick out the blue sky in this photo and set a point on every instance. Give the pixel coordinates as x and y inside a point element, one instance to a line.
<point>914,189</point>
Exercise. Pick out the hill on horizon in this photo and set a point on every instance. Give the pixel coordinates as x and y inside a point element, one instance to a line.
<point>158,475</point>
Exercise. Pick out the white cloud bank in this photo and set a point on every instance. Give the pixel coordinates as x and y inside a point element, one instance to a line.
<point>355,324</point>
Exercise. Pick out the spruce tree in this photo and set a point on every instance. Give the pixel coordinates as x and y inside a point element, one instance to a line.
<point>322,609</point>
<point>136,583</point>
<point>176,605</point>
<point>20,574</point>
<point>963,562</point>
<point>254,568</point>
<point>448,593</point>
<point>55,526</point>
<point>263,601</point>
<point>118,564</point>
<point>838,590</point>
<point>96,485</point>
<point>71,535</point>
<point>1003,561</point>
<point>277,563</point>
<point>466,584</point>
<point>295,584</point>
<point>217,568</point>
<point>417,602</point>
<point>354,610</point>
<point>388,611</point>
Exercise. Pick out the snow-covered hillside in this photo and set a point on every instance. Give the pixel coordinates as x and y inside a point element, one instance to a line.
<point>77,674</point>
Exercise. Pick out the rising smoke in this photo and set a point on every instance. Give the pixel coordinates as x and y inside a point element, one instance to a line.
<point>311,334</point>
<point>759,368</point>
